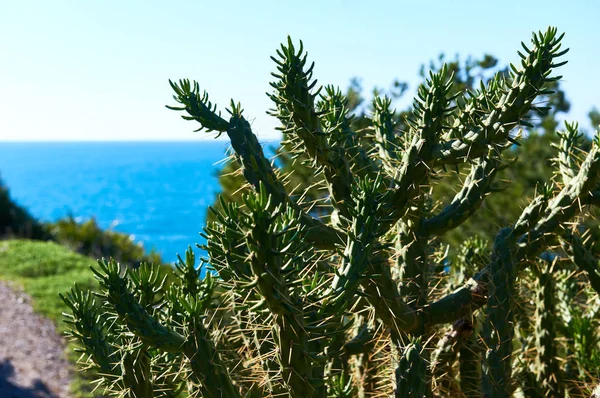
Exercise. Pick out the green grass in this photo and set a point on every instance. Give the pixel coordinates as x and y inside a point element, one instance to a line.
<point>44,269</point>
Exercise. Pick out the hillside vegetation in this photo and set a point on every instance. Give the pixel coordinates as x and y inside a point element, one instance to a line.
<point>44,269</point>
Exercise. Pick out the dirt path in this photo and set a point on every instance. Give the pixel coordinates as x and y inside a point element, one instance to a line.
<point>32,360</point>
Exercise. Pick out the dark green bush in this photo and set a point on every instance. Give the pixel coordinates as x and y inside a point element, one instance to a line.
<point>15,221</point>
<point>89,239</point>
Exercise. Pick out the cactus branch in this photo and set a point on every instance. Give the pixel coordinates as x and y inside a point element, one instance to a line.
<point>361,244</point>
<point>549,374</point>
<point>569,141</point>
<point>543,218</point>
<point>511,107</point>
<point>295,107</point>
<point>563,206</point>
<point>387,139</point>
<point>445,354</point>
<point>132,313</point>
<point>582,257</point>
<point>475,188</point>
<point>470,367</point>
<point>411,373</point>
<point>498,327</point>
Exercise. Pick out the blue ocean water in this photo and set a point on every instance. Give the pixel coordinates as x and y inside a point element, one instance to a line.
<point>156,191</point>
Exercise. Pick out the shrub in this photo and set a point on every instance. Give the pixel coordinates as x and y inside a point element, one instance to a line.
<point>15,221</point>
<point>89,239</point>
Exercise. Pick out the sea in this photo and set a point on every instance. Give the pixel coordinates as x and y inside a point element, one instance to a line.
<point>156,192</point>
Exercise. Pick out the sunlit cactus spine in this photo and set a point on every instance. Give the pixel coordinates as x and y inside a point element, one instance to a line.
<point>365,301</point>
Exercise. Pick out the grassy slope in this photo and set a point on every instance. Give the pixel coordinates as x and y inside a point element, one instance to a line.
<point>44,269</point>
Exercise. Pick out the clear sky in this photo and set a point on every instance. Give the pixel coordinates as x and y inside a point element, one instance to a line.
<point>99,70</point>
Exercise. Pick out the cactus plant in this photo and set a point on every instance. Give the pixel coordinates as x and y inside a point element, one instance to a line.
<point>355,303</point>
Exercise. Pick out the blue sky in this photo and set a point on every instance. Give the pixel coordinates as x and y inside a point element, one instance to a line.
<point>99,70</point>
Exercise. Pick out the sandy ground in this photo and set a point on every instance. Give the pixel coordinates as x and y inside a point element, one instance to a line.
<point>32,360</point>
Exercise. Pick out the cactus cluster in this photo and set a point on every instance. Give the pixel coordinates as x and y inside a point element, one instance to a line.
<point>363,302</point>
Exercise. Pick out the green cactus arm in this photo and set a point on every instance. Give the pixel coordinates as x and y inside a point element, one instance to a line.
<point>333,111</point>
<point>363,231</point>
<point>295,364</point>
<point>269,237</point>
<point>188,272</point>
<point>381,291</point>
<point>548,372</point>
<point>295,107</point>
<point>147,283</point>
<point>582,257</point>
<point>412,252</point>
<point>469,367</point>
<point>411,373</point>
<point>266,262</point>
<point>198,357</point>
<point>387,139</point>
<point>511,106</point>
<point>564,206</point>
<point>446,352</point>
<point>256,167</point>
<point>153,333</point>
<point>136,375</point>
<point>498,329</point>
<point>88,329</point>
<point>534,211</point>
<point>569,142</point>
<point>197,105</point>
<point>150,331</point>
<point>225,244</point>
<point>122,364</point>
<point>475,188</point>
<point>473,106</point>
<point>273,232</point>
<point>132,313</point>
<point>464,300</point>
<point>205,360</point>
<point>431,109</point>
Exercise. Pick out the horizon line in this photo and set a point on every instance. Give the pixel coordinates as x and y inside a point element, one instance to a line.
<point>220,140</point>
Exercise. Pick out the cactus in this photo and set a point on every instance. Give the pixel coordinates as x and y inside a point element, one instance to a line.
<point>445,355</point>
<point>470,366</point>
<point>353,304</point>
<point>548,372</point>
<point>411,373</point>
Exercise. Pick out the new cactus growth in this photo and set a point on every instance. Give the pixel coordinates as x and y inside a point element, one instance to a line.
<point>356,303</point>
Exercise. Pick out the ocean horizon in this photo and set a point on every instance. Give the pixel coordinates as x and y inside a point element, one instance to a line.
<point>156,191</point>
